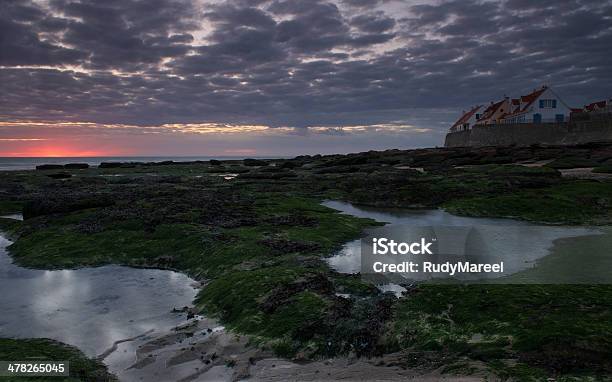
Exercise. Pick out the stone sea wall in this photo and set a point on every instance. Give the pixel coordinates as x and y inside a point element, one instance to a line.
<point>526,134</point>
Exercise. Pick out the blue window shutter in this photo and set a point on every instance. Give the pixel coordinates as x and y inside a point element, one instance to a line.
<point>554,103</point>
<point>541,104</point>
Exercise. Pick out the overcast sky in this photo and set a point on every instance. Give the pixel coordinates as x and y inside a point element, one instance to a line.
<point>280,77</point>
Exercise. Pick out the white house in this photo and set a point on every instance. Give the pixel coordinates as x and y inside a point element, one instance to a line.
<point>495,112</point>
<point>540,106</point>
<point>467,120</point>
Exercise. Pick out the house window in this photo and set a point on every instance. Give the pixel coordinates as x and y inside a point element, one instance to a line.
<point>559,117</point>
<point>477,116</point>
<point>537,118</point>
<point>548,104</point>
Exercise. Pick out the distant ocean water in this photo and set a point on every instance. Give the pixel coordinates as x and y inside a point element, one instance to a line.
<point>30,163</point>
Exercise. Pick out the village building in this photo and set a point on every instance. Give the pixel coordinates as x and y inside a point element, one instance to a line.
<point>540,117</point>
<point>540,106</point>
<point>599,107</point>
<point>467,119</point>
<point>495,112</point>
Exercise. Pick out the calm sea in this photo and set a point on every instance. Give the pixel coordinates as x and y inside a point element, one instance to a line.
<point>11,164</point>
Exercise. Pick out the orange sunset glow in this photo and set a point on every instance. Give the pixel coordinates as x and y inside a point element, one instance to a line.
<point>53,148</point>
<point>87,139</point>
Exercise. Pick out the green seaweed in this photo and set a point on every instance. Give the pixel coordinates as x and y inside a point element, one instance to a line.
<point>573,202</point>
<point>37,350</point>
<point>260,243</point>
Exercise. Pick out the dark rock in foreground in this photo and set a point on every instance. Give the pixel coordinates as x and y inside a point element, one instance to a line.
<point>50,167</point>
<point>60,175</point>
<point>76,166</point>
<point>63,203</point>
<point>110,165</point>
<point>254,162</point>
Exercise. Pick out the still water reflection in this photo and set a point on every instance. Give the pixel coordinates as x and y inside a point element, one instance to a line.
<point>519,244</point>
<point>89,308</point>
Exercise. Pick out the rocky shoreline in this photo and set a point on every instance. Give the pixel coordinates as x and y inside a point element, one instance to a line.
<point>260,240</point>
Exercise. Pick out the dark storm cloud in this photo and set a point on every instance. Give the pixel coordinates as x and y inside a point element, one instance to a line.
<point>373,23</point>
<point>242,37</point>
<point>364,3</point>
<point>296,63</point>
<point>129,35</point>
<point>19,42</point>
<point>314,27</point>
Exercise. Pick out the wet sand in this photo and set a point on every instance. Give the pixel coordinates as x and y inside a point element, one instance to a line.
<point>343,369</point>
<point>584,173</point>
<point>198,350</point>
<point>201,351</point>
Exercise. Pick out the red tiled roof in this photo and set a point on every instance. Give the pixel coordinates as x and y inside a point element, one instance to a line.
<point>528,100</point>
<point>466,117</point>
<point>489,111</point>
<point>599,104</point>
